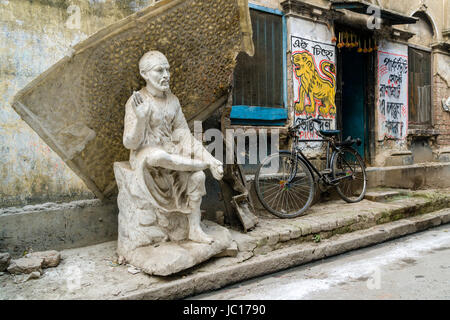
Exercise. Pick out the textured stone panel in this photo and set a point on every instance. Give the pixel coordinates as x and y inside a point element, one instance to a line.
<point>78,105</point>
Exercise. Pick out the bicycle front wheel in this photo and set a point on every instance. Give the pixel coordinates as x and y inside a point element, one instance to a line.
<point>284,185</point>
<point>348,165</point>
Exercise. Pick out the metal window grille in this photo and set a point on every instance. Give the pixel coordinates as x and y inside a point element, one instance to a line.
<point>419,87</point>
<point>258,80</point>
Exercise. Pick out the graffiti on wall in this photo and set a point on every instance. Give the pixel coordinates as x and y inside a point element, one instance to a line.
<point>314,71</point>
<point>393,95</point>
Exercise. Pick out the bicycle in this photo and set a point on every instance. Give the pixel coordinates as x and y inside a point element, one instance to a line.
<point>285,181</point>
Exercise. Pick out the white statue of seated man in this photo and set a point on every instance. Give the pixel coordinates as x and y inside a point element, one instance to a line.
<point>165,174</point>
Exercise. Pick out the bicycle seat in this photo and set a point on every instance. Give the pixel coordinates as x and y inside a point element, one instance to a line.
<point>329,133</point>
<point>349,142</point>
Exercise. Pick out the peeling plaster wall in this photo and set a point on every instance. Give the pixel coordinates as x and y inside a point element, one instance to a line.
<point>273,4</point>
<point>442,67</point>
<point>34,35</point>
<point>441,90</point>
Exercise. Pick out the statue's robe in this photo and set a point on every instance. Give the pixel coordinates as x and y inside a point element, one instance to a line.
<point>165,129</point>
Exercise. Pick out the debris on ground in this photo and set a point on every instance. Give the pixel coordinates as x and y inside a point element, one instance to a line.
<point>113,264</point>
<point>133,269</point>
<point>121,260</point>
<point>34,262</point>
<point>116,293</point>
<point>25,265</point>
<point>231,251</point>
<point>5,258</point>
<point>51,258</point>
<point>33,275</point>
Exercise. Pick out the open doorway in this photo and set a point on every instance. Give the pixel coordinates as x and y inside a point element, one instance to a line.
<point>356,87</point>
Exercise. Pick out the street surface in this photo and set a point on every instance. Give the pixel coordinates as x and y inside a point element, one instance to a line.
<point>412,267</point>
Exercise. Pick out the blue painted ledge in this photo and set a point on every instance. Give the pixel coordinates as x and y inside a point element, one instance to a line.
<point>246,115</point>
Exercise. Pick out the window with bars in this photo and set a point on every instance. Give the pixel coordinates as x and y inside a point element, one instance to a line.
<point>258,80</point>
<point>419,62</point>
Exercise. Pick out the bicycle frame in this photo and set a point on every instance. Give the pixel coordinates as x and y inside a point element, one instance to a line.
<point>330,146</point>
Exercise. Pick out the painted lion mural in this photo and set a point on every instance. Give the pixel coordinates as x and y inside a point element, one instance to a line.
<point>313,85</point>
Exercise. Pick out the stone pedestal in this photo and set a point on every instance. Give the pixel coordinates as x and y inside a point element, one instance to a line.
<point>157,242</point>
<point>167,258</point>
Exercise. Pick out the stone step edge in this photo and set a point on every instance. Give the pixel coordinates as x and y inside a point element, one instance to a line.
<point>290,257</point>
<point>54,206</point>
<point>274,240</point>
<point>385,195</point>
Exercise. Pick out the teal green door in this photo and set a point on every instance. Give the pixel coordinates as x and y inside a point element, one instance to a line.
<point>353,93</point>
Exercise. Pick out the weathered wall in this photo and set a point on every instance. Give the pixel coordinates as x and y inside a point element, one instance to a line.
<point>57,226</point>
<point>438,10</point>
<point>35,35</point>
<point>441,90</point>
<point>273,4</point>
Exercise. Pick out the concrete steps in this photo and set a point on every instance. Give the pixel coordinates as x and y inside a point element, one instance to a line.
<point>328,219</point>
<point>384,195</point>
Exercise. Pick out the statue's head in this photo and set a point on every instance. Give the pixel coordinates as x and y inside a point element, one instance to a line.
<point>154,68</point>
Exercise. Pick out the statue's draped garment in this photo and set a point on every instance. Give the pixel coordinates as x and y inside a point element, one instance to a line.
<point>165,129</point>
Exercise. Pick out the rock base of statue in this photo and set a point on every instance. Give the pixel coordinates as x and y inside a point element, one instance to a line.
<point>155,242</point>
<point>168,258</point>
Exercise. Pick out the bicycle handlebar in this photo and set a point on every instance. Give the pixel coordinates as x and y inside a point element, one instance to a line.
<point>348,142</point>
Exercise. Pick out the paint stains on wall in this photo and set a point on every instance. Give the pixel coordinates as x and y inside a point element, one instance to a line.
<point>33,36</point>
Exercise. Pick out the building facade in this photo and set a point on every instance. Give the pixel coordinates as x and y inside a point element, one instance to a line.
<point>376,70</point>
<point>385,81</point>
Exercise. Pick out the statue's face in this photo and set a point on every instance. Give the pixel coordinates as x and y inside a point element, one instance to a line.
<point>158,76</point>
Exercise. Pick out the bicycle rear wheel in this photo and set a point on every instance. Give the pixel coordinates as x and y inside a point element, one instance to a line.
<point>284,185</point>
<point>348,163</point>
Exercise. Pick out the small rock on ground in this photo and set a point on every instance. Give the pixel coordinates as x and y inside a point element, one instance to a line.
<point>133,270</point>
<point>26,265</point>
<point>231,251</point>
<point>33,275</point>
<point>51,258</point>
<point>5,258</point>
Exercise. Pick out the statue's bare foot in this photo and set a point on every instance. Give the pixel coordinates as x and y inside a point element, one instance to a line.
<point>197,235</point>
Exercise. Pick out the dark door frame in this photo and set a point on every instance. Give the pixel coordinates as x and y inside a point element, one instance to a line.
<point>370,76</point>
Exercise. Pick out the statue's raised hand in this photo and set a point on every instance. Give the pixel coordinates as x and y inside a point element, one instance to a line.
<point>141,106</point>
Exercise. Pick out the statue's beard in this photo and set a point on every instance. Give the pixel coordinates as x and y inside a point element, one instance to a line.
<point>162,85</point>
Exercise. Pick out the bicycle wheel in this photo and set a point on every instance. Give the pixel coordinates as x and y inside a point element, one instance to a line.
<point>345,163</point>
<point>284,185</point>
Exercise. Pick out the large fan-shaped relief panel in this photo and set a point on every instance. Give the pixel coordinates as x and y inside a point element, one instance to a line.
<point>78,105</point>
